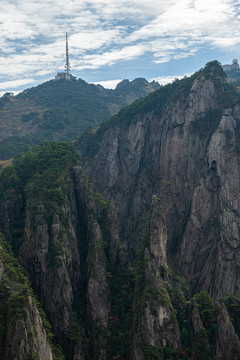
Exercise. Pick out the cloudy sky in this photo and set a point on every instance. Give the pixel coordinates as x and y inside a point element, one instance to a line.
<point>111,40</point>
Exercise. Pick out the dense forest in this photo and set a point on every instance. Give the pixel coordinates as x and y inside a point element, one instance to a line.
<point>61,110</point>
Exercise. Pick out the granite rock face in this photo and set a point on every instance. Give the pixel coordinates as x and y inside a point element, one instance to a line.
<point>228,344</point>
<point>186,153</point>
<point>28,337</point>
<point>23,333</point>
<point>50,255</point>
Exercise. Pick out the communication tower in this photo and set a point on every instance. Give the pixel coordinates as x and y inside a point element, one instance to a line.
<point>66,75</point>
<point>67,65</point>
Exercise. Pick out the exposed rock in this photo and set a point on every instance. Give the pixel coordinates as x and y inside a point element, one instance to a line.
<point>156,323</point>
<point>209,256</point>
<point>200,335</point>
<point>228,344</point>
<point>22,331</point>
<point>50,255</point>
<point>27,338</point>
<point>97,288</point>
<point>10,210</point>
<point>185,152</point>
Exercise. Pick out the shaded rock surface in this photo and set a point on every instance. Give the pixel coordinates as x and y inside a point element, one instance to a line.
<point>28,337</point>
<point>184,151</point>
<point>22,332</point>
<point>228,345</point>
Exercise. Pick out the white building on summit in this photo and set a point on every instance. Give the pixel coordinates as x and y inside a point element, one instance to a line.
<point>233,66</point>
<point>66,75</point>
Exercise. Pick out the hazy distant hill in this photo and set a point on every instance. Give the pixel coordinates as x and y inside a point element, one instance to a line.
<point>60,110</point>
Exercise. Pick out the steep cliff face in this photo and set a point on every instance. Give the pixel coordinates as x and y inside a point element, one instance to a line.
<point>50,255</point>
<point>68,244</point>
<point>22,329</point>
<point>179,144</point>
<point>212,230</point>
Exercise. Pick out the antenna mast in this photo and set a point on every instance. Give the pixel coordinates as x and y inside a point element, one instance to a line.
<point>67,65</point>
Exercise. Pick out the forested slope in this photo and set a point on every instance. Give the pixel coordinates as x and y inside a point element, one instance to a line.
<point>60,110</point>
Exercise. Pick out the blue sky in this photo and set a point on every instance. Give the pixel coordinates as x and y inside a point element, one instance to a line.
<point>112,40</point>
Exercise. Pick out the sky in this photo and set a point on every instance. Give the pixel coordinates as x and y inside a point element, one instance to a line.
<point>112,40</point>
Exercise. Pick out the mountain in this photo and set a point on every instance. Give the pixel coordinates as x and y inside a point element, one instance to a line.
<point>130,236</point>
<point>60,110</point>
<point>179,143</point>
<point>233,73</point>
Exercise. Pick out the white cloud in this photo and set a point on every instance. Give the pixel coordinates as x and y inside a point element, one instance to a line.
<point>163,80</point>
<point>13,92</point>
<point>111,57</point>
<point>15,83</point>
<point>105,32</point>
<point>108,84</point>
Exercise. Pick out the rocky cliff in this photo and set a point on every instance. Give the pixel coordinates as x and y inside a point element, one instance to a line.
<point>106,238</point>
<point>181,145</point>
<point>24,331</point>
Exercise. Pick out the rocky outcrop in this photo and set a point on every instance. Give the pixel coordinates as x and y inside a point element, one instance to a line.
<point>183,150</point>
<point>10,212</point>
<point>228,344</point>
<point>212,229</point>
<point>98,296</point>
<point>27,337</point>
<point>23,332</point>
<point>155,323</point>
<point>50,255</point>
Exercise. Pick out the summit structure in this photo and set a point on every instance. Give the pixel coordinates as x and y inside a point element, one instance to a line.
<point>66,75</point>
<point>231,67</point>
<point>232,72</point>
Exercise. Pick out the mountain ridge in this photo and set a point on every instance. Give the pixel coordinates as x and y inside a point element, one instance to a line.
<point>159,149</point>
<point>60,110</point>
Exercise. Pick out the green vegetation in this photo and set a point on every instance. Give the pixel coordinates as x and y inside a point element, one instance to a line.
<point>120,282</point>
<point>233,306</point>
<point>4,99</point>
<point>61,110</point>
<point>13,145</point>
<point>57,352</point>
<point>71,104</point>
<point>76,332</point>
<point>205,126</point>
<point>120,324</point>
<point>14,296</point>
<point>30,116</point>
<point>156,102</point>
<point>42,174</point>
<point>202,343</point>
<point>151,352</point>
<point>40,180</point>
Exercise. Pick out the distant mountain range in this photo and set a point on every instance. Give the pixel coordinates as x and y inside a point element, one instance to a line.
<point>60,110</point>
